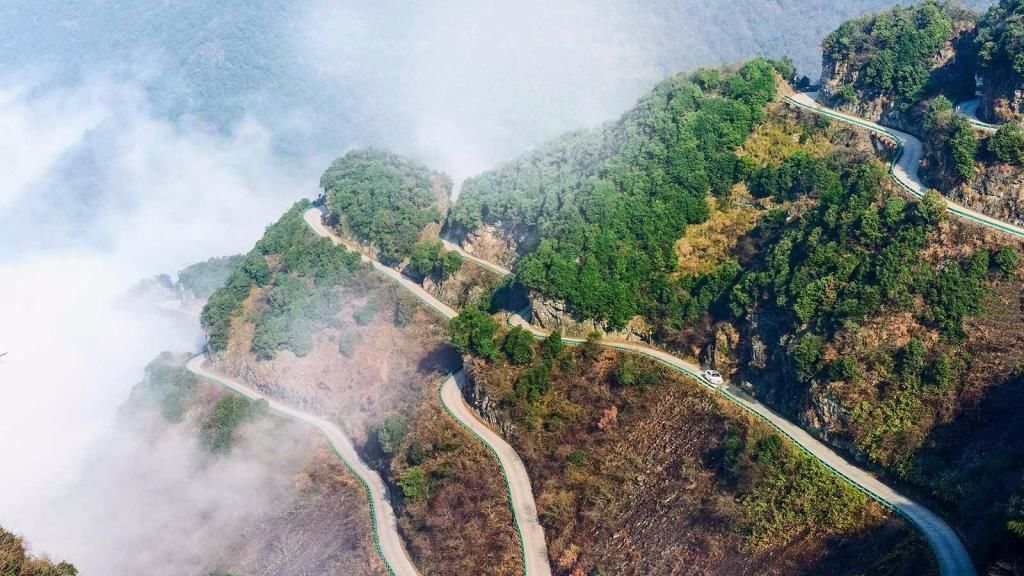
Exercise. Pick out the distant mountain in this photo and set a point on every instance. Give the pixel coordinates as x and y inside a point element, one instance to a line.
<point>448,84</point>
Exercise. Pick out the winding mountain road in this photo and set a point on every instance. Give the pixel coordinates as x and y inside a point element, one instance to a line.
<point>517,480</point>
<point>908,159</point>
<point>385,526</point>
<point>950,553</point>
<point>952,557</point>
<point>496,268</point>
<point>970,109</point>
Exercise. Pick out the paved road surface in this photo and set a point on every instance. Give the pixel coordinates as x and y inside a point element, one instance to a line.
<point>389,543</point>
<point>949,552</point>
<point>904,171</point>
<point>496,268</point>
<point>535,556</point>
<point>970,109</point>
<point>524,508</point>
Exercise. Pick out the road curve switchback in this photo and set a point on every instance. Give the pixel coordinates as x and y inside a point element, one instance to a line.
<point>517,480</point>
<point>950,554</point>
<point>970,109</point>
<point>905,167</point>
<point>385,526</point>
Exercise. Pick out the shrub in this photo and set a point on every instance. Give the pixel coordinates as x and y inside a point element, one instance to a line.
<point>472,332</point>
<point>415,484</point>
<point>846,93</point>
<point>1006,259</point>
<point>405,307</point>
<point>1008,144</point>
<point>391,432</point>
<point>592,347</point>
<point>578,458</point>
<point>366,313</point>
<point>533,383</point>
<point>843,368</point>
<point>230,411</point>
<point>347,344</point>
<point>518,346</point>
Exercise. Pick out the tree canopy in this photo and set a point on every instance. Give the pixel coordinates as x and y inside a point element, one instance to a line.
<point>384,199</point>
<point>894,51</point>
<point>608,204</point>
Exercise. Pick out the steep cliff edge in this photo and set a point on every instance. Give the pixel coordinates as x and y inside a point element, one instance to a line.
<point>882,66</point>
<point>1001,62</point>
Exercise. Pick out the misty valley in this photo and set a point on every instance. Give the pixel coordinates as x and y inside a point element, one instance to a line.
<point>588,289</point>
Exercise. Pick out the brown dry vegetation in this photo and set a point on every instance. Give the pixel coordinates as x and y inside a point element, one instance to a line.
<point>385,368</point>
<point>638,481</point>
<point>706,245</point>
<point>391,366</point>
<point>325,530</point>
<point>317,521</point>
<point>16,560</point>
<point>464,525</point>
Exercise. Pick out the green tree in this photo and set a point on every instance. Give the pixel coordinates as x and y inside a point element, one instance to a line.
<point>425,256</point>
<point>518,346</point>
<point>415,484</point>
<point>391,432</point>
<point>450,264</point>
<point>963,146</point>
<point>256,268</point>
<point>932,207</point>
<point>1006,259</point>
<point>552,346</point>
<point>807,354</point>
<point>472,332</point>
<point>1008,144</point>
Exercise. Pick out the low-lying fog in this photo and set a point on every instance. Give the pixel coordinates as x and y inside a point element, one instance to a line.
<point>139,137</point>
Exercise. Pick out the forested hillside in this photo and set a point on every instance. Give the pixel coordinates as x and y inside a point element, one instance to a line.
<point>609,204</point>
<point>898,57</point>
<point>384,200</point>
<point>1001,61</point>
<point>885,326</point>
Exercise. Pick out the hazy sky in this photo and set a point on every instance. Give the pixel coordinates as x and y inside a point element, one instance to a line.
<point>139,137</point>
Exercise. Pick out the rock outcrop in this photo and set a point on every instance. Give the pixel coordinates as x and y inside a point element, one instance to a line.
<point>501,243</point>
<point>475,392</point>
<point>1002,97</point>
<point>996,190</point>
<point>952,68</point>
<point>552,314</point>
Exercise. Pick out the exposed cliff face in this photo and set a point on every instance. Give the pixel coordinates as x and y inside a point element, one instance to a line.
<point>554,314</point>
<point>501,243</point>
<point>952,70</point>
<point>463,287</point>
<point>1002,97</point>
<point>996,190</point>
<point>475,393</point>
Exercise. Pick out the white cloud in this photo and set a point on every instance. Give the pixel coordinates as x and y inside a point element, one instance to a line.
<point>102,193</point>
